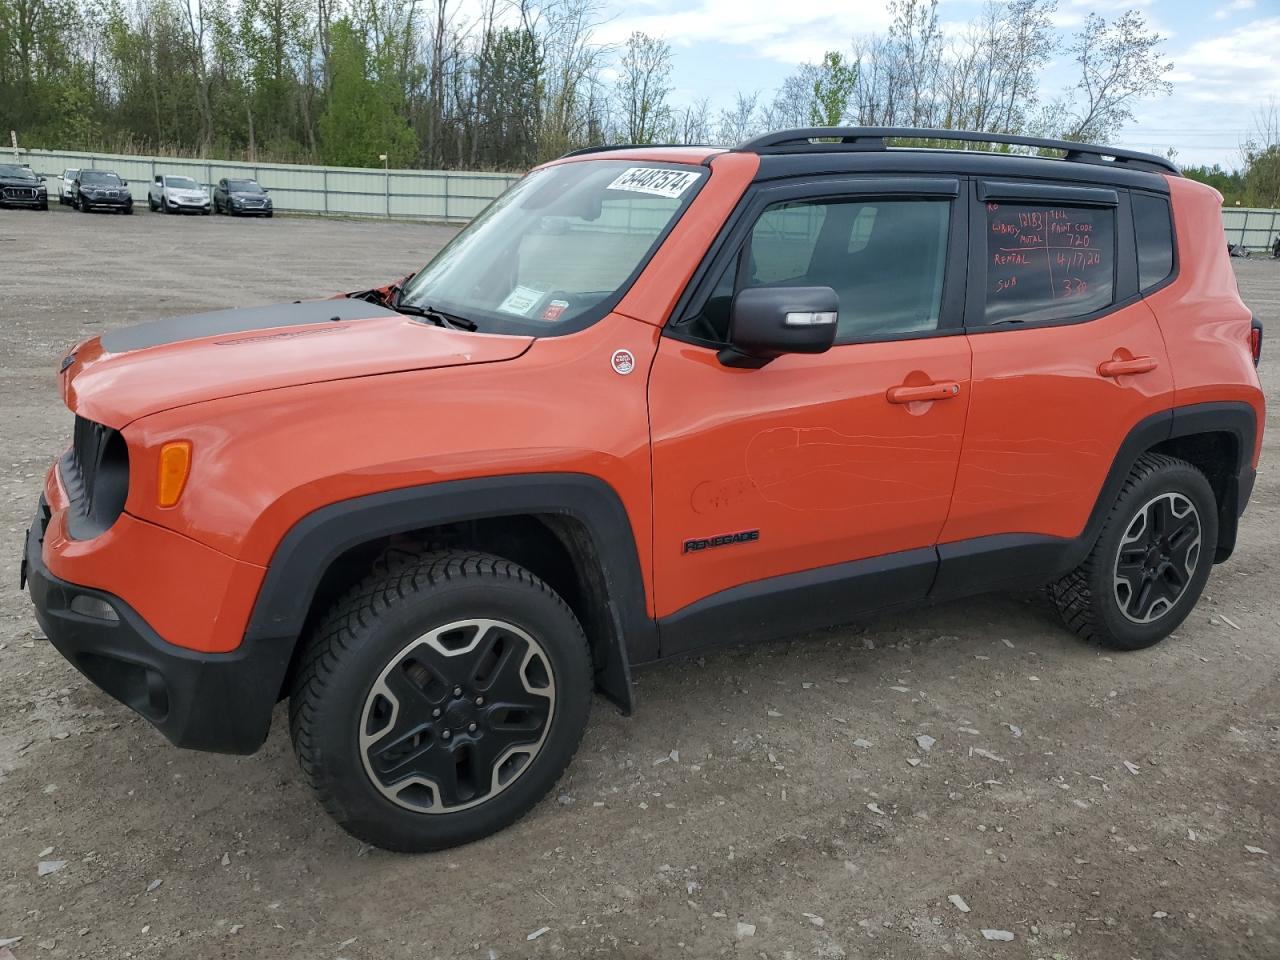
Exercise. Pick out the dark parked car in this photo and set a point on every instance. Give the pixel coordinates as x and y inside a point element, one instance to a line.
<point>19,187</point>
<point>241,198</point>
<point>100,189</point>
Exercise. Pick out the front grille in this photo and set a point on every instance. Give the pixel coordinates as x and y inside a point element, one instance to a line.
<point>19,193</point>
<point>95,473</point>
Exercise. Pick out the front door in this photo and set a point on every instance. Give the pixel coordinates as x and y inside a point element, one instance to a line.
<point>802,492</point>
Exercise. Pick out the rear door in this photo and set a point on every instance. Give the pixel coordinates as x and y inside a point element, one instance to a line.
<point>1067,359</point>
<point>815,486</point>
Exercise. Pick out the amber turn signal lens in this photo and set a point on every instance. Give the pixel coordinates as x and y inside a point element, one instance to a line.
<point>175,463</point>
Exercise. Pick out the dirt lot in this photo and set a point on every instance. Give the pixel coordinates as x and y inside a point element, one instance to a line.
<point>766,786</point>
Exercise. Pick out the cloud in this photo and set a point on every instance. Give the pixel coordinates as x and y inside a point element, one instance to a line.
<point>787,34</point>
<point>1235,6</point>
<point>1237,67</point>
<point>1073,13</point>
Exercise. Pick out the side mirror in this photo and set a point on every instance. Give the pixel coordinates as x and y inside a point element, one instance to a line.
<point>766,322</point>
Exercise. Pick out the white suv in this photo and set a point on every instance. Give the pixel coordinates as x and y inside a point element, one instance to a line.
<point>177,195</point>
<point>65,190</point>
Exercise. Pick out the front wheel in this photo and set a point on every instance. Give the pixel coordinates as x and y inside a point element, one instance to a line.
<point>1151,561</point>
<point>440,700</point>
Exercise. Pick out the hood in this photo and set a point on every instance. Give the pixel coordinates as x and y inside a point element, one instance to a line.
<point>10,181</point>
<point>136,371</point>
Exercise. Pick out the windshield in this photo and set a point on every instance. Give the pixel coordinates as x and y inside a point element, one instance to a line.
<point>558,249</point>
<point>181,183</point>
<point>243,186</point>
<point>13,170</point>
<point>99,176</point>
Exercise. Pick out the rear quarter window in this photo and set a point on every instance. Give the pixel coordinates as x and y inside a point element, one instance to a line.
<point>1153,233</point>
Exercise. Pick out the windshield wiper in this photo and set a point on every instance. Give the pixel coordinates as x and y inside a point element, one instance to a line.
<point>438,317</point>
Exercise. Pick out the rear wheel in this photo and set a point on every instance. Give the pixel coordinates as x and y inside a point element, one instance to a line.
<point>1151,561</point>
<point>440,700</point>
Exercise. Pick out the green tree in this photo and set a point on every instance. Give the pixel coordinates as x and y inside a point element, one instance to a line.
<point>832,89</point>
<point>361,119</point>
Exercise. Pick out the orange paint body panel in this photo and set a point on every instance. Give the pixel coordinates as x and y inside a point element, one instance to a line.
<point>807,449</point>
<point>1044,426</point>
<point>1205,323</point>
<point>191,594</point>
<point>116,389</point>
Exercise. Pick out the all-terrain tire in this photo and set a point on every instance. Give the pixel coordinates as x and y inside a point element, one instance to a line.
<point>1098,601</point>
<point>380,627</point>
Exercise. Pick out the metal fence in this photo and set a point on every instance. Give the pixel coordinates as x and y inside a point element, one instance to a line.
<point>443,195</point>
<point>1253,228</point>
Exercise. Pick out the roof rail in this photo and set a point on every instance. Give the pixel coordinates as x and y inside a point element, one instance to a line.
<point>873,138</point>
<point>605,147</point>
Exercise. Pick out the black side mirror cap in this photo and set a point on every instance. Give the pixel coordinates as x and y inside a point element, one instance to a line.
<point>766,322</point>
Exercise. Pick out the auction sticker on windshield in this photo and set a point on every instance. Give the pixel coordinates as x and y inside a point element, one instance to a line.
<point>661,183</point>
<point>520,301</point>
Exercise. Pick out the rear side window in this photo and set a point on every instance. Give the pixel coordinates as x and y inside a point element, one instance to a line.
<point>1048,261</point>
<point>1153,231</point>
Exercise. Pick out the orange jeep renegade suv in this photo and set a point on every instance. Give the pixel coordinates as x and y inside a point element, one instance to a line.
<point>651,400</point>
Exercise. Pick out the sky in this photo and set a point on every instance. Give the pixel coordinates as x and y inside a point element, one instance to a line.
<point>1226,56</point>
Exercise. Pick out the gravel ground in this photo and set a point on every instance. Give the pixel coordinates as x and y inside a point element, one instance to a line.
<point>761,801</point>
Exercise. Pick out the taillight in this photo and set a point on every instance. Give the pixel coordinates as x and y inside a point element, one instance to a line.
<point>1255,342</point>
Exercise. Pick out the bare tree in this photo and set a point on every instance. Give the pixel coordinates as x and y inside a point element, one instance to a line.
<point>1119,63</point>
<point>740,121</point>
<point>196,47</point>
<point>643,87</point>
<point>692,124</point>
<point>990,80</point>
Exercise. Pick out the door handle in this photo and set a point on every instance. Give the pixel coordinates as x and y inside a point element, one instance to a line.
<point>1120,368</point>
<point>930,391</point>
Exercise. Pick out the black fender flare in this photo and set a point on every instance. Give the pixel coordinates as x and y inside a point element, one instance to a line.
<point>1234,418</point>
<point>319,538</point>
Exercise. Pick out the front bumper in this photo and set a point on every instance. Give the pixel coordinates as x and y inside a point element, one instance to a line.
<point>193,206</point>
<point>205,701</point>
<point>20,197</point>
<point>112,203</point>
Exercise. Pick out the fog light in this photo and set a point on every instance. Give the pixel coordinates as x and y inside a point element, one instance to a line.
<point>95,607</point>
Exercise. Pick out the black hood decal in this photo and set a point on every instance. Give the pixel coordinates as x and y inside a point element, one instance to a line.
<point>159,332</point>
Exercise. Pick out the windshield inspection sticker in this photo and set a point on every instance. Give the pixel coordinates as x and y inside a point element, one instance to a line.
<point>661,183</point>
<point>520,301</point>
<point>555,309</point>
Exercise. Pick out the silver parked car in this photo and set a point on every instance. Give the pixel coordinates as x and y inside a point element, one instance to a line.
<point>177,195</point>
<point>65,193</point>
